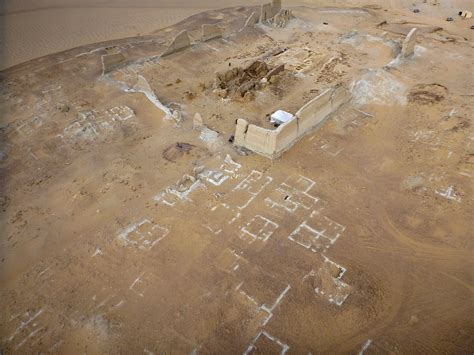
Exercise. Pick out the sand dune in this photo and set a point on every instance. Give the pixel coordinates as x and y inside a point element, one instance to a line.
<point>31,29</point>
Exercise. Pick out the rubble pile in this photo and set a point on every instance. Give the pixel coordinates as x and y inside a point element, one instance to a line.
<point>242,82</point>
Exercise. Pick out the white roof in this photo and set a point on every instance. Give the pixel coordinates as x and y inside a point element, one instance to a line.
<point>280,117</point>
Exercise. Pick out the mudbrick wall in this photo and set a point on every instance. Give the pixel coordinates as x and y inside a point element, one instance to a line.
<point>272,143</point>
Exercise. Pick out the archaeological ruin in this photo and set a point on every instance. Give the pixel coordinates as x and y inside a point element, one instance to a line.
<point>277,178</point>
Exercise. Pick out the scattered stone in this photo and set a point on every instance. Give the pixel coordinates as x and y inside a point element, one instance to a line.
<point>449,19</point>
<point>416,11</point>
<point>197,121</point>
<point>472,27</point>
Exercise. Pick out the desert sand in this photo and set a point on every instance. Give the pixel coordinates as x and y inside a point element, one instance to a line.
<point>31,29</point>
<point>132,221</point>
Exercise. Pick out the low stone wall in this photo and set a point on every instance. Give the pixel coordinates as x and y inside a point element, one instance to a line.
<point>272,143</point>
<point>180,42</point>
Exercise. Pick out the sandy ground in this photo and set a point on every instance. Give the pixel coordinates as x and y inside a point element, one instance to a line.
<point>123,231</point>
<point>31,29</point>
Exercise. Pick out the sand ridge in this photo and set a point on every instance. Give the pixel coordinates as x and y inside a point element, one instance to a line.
<point>31,29</point>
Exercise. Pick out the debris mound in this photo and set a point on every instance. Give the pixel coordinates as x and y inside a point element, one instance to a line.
<point>240,82</point>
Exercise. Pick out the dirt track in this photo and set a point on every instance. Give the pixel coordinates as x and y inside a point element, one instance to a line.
<point>359,237</point>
